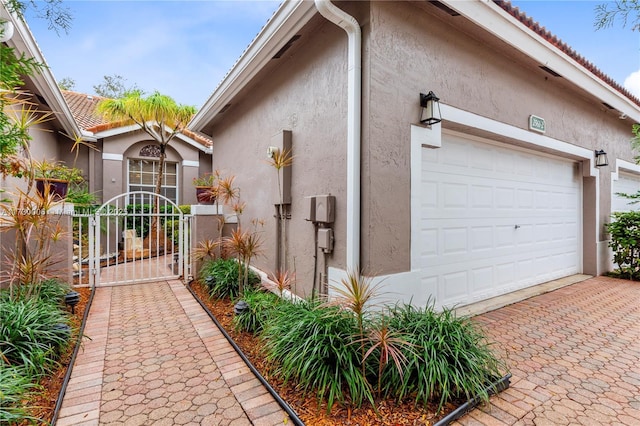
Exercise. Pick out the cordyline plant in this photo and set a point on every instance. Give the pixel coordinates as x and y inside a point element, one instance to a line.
<point>226,193</point>
<point>356,292</point>
<point>389,345</point>
<point>35,234</point>
<point>206,250</point>
<point>281,280</point>
<point>245,245</point>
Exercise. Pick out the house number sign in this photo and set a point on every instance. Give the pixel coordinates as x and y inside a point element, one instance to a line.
<point>537,124</point>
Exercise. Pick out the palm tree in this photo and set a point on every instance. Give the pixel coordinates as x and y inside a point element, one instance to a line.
<point>162,119</point>
<point>157,114</point>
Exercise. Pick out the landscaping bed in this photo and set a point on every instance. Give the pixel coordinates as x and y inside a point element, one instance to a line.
<point>307,408</point>
<point>40,404</point>
<point>310,407</point>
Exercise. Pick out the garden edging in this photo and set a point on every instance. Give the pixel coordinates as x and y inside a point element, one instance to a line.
<point>292,414</point>
<point>72,361</point>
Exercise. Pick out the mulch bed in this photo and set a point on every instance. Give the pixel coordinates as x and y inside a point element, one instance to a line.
<point>306,406</point>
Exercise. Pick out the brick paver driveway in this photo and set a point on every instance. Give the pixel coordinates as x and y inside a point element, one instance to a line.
<point>574,354</point>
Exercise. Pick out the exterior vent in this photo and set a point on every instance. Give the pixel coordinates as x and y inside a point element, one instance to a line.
<point>224,108</point>
<point>550,71</point>
<point>286,47</point>
<point>444,8</point>
<point>42,100</point>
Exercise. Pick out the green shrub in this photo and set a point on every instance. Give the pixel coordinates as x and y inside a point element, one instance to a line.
<point>261,307</point>
<point>625,242</point>
<point>31,334</point>
<point>317,346</point>
<point>49,291</point>
<point>15,385</point>
<point>221,277</point>
<point>450,357</point>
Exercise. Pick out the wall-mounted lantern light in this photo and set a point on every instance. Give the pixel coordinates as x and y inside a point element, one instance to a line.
<point>6,31</point>
<point>601,158</point>
<point>430,104</point>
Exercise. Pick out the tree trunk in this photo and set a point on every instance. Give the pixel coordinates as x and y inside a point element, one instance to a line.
<point>156,240</point>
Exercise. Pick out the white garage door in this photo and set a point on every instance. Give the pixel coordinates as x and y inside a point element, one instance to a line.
<point>627,183</point>
<point>495,219</point>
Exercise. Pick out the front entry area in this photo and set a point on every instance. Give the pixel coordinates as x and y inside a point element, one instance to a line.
<point>134,237</point>
<point>496,218</point>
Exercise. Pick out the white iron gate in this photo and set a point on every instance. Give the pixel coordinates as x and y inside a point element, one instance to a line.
<point>134,237</point>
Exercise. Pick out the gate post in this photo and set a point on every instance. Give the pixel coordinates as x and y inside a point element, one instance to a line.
<point>94,241</point>
<point>205,226</point>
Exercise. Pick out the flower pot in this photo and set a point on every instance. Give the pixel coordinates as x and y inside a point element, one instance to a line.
<point>58,188</point>
<point>204,195</point>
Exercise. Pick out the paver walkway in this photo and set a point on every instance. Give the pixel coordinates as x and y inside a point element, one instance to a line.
<point>574,354</point>
<point>155,357</point>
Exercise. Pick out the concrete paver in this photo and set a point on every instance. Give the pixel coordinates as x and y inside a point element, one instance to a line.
<point>574,354</point>
<point>154,357</point>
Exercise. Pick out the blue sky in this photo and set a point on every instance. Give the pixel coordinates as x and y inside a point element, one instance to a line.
<point>184,48</point>
<point>181,48</point>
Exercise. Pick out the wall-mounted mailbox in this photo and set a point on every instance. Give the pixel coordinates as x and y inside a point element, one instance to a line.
<point>325,208</point>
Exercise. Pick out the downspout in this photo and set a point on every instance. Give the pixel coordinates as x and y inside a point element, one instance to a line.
<point>354,125</point>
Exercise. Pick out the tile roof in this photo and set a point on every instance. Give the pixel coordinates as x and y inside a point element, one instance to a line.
<point>564,47</point>
<point>83,109</point>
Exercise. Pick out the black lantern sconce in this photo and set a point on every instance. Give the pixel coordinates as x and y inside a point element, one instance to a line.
<point>601,158</point>
<point>430,104</point>
<point>71,299</point>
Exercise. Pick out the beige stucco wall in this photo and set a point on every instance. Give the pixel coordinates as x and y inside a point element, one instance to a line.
<point>129,145</point>
<point>44,145</point>
<point>413,51</point>
<point>408,48</point>
<point>304,92</point>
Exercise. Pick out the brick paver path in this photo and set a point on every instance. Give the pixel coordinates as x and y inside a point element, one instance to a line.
<point>574,354</point>
<point>155,357</point>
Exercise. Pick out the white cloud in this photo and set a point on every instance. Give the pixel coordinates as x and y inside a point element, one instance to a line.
<point>632,83</point>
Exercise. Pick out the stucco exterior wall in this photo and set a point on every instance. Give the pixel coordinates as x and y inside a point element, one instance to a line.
<point>415,48</point>
<point>114,178</point>
<point>408,48</point>
<point>306,94</point>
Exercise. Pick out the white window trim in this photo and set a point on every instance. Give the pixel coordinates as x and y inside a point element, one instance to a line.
<point>177,186</point>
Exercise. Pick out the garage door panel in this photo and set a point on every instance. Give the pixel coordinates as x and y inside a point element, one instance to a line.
<point>481,194</point>
<point>627,183</point>
<point>509,223</point>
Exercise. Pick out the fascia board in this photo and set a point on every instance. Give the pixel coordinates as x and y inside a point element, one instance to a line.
<point>290,17</point>
<point>135,127</point>
<point>495,20</point>
<point>24,42</point>
<point>194,143</point>
<point>117,131</point>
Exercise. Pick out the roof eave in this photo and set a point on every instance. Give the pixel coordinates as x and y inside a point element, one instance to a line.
<point>498,22</point>
<point>117,131</point>
<point>290,17</point>
<point>44,81</point>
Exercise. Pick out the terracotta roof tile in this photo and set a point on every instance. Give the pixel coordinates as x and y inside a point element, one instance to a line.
<point>544,33</point>
<point>83,109</point>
